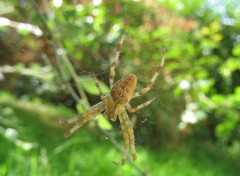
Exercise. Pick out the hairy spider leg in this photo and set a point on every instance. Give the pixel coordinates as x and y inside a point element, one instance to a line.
<point>106,99</point>
<point>90,112</point>
<point>126,140</point>
<point>115,62</point>
<point>131,134</point>
<point>99,88</point>
<point>152,80</point>
<point>83,118</point>
<point>80,123</point>
<point>130,109</point>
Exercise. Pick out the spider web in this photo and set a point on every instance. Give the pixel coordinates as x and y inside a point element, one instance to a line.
<point>144,122</point>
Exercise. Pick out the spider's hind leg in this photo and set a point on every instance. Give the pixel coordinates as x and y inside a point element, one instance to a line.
<point>63,122</point>
<point>126,141</point>
<point>73,129</point>
<point>130,134</point>
<point>79,122</point>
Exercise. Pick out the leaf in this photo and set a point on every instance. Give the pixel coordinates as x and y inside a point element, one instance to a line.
<point>70,32</point>
<point>236,50</point>
<point>229,66</point>
<point>237,90</point>
<point>224,130</point>
<point>80,108</point>
<point>103,122</point>
<point>218,98</point>
<point>65,70</point>
<point>88,83</point>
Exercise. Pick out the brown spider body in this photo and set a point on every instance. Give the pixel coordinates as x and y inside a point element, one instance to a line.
<point>122,91</point>
<point>116,104</point>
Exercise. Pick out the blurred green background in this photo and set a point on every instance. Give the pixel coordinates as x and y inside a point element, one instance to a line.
<point>48,50</point>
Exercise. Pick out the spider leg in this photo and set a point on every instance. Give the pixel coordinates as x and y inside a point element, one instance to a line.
<point>93,111</point>
<point>131,134</point>
<point>83,118</point>
<point>152,80</point>
<point>126,140</point>
<point>98,87</point>
<point>115,62</point>
<point>130,109</point>
<point>80,123</point>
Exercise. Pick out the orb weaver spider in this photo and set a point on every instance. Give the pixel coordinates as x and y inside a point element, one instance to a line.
<point>116,103</point>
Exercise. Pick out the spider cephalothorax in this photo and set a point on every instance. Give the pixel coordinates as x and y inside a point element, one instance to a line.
<point>116,103</point>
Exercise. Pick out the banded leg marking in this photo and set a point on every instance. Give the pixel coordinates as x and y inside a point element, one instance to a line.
<point>152,80</point>
<point>115,62</point>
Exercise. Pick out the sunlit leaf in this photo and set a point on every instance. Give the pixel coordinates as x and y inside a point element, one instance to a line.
<point>89,85</point>
<point>205,30</point>
<point>230,66</point>
<point>217,37</point>
<point>103,122</point>
<point>19,67</point>
<point>236,50</point>
<point>215,26</point>
<point>218,98</point>
<point>237,90</point>
<point>80,108</point>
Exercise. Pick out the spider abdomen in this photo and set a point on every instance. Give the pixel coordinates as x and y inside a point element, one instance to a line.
<point>123,89</point>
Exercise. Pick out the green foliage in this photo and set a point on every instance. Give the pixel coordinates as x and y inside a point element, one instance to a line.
<point>43,150</point>
<point>236,50</point>
<point>89,85</point>
<point>199,92</point>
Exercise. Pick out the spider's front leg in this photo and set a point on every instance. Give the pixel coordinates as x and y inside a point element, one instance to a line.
<point>99,88</point>
<point>79,121</point>
<point>83,118</point>
<point>154,77</point>
<point>115,62</point>
<point>130,109</point>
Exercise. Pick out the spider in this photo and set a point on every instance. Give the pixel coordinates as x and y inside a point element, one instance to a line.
<point>116,104</point>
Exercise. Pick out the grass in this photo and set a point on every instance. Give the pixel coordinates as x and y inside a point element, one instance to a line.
<point>35,146</point>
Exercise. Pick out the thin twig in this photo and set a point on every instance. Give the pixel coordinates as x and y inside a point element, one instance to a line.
<point>63,57</point>
<point>69,87</point>
<point>75,77</point>
<point>28,72</point>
